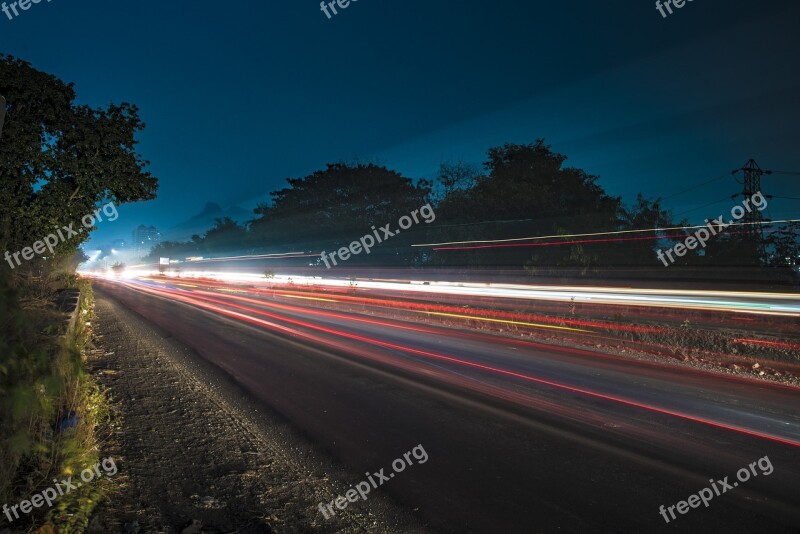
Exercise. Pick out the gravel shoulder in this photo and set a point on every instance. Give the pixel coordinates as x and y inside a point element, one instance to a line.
<point>196,455</point>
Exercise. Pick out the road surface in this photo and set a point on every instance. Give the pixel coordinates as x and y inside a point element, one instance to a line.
<point>521,437</point>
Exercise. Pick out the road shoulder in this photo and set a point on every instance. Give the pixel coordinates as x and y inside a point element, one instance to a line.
<point>193,452</point>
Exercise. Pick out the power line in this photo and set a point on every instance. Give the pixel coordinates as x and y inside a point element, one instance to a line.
<point>617,232</point>
<point>703,206</point>
<point>696,186</point>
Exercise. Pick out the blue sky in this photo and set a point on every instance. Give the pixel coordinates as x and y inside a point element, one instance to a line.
<point>238,96</point>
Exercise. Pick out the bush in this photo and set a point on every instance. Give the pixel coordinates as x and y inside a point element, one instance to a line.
<point>43,381</point>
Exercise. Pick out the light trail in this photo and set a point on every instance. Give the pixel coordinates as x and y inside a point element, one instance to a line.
<point>777,344</point>
<point>276,256</point>
<point>425,309</point>
<point>745,302</point>
<point>501,321</point>
<point>573,242</point>
<point>221,306</point>
<point>478,314</point>
<point>308,298</point>
<point>592,234</point>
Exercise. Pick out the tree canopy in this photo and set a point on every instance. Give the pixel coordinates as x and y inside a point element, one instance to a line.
<point>523,190</point>
<point>340,202</point>
<point>59,159</point>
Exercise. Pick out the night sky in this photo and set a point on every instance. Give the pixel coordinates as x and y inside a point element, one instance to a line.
<point>237,96</point>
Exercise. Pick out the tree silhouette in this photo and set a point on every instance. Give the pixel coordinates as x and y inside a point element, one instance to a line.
<point>58,159</point>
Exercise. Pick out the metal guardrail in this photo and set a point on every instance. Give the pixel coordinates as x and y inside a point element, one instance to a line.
<point>68,302</point>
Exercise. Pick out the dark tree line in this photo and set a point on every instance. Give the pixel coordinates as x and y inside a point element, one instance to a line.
<point>521,191</point>
<point>524,190</point>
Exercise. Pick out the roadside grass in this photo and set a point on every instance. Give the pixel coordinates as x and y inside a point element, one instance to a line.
<point>51,408</point>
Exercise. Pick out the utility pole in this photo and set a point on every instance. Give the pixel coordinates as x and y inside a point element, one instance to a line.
<point>754,227</point>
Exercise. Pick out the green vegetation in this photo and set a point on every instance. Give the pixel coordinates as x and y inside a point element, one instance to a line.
<point>58,161</point>
<point>43,381</point>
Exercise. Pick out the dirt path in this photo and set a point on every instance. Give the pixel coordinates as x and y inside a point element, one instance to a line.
<point>193,453</point>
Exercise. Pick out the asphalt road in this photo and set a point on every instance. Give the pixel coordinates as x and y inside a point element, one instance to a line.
<point>521,437</point>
